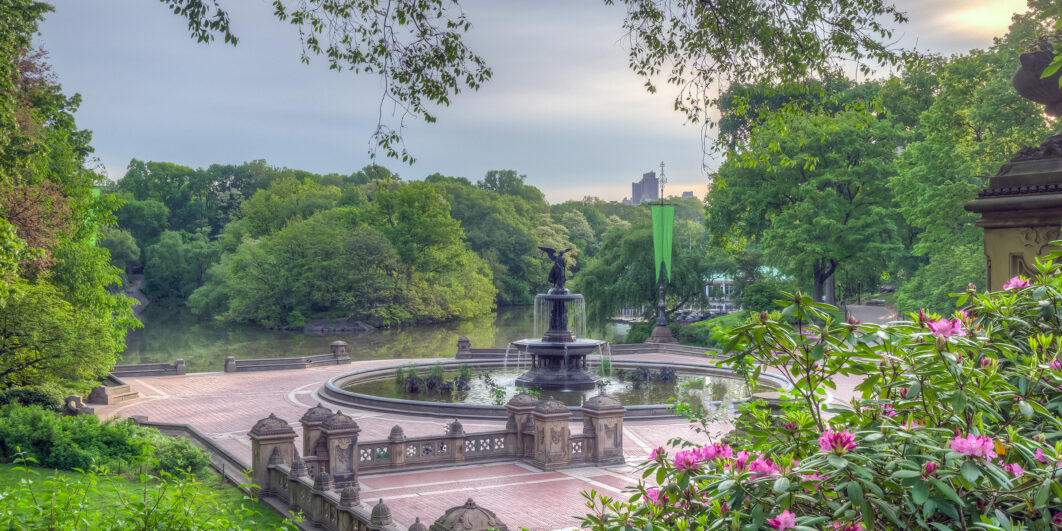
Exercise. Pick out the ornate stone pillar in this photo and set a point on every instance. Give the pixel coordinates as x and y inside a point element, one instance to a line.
<point>464,348</point>
<point>520,408</point>
<point>340,434</point>
<point>552,436</point>
<point>603,421</point>
<point>311,427</point>
<point>457,440</point>
<point>271,439</point>
<point>397,447</point>
<point>339,352</point>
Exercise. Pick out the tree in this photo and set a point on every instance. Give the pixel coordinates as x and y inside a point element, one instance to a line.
<point>177,265</point>
<point>145,220</point>
<point>121,245</point>
<point>973,126</point>
<point>822,203</point>
<point>622,274</point>
<point>507,182</point>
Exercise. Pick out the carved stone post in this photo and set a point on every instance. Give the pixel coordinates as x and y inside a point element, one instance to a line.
<point>311,427</point>
<point>339,352</point>
<point>520,408</point>
<point>552,444</point>
<point>271,439</point>
<point>464,347</point>
<point>603,421</point>
<point>397,447</point>
<point>179,367</point>
<point>340,434</point>
<point>230,364</point>
<point>457,440</point>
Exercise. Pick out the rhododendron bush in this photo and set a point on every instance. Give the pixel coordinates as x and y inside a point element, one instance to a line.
<point>956,423</point>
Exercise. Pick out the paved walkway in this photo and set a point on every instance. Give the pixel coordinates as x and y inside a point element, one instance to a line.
<point>224,406</point>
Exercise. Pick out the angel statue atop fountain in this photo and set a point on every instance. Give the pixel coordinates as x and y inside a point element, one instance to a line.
<point>557,275</point>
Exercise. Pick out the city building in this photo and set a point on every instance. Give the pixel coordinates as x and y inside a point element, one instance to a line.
<point>646,189</point>
<point>687,194</point>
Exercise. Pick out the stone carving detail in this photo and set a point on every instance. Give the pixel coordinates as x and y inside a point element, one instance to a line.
<point>577,447</point>
<point>1039,238</point>
<point>1049,149</point>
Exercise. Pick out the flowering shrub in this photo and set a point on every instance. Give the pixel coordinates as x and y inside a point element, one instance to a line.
<point>956,423</point>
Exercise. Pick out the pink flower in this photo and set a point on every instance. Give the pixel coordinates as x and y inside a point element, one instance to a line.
<point>715,451</point>
<point>847,527</point>
<point>1040,456</point>
<point>923,318</point>
<point>945,328</point>
<point>837,442</point>
<point>889,411</point>
<point>740,460</point>
<point>1056,365</point>
<point>930,468</point>
<point>812,477</point>
<point>962,316</point>
<point>979,446</point>
<point>653,495</point>
<point>986,361</point>
<point>686,460</point>
<point>1016,282</point>
<point>1014,468</point>
<point>786,520</point>
<point>763,467</point>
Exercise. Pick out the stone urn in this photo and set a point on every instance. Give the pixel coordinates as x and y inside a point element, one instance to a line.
<point>1028,83</point>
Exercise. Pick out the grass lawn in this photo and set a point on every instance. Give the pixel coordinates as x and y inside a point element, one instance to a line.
<point>114,492</point>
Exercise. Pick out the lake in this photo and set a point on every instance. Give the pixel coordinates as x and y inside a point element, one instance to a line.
<point>172,333</point>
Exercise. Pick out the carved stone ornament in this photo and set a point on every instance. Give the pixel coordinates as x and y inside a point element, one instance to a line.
<point>418,526</point>
<point>602,402</point>
<point>315,414</point>
<point>397,434</point>
<point>349,497</point>
<point>468,517</point>
<point>322,482</point>
<point>522,399</point>
<point>298,468</point>
<point>381,514</point>
<point>339,421</point>
<point>551,405</point>
<point>271,425</point>
<point>1039,238</point>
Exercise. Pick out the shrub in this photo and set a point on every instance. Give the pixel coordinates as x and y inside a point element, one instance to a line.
<point>48,397</point>
<point>176,454</point>
<point>67,443</point>
<point>955,424</point>
<point>761,294</point>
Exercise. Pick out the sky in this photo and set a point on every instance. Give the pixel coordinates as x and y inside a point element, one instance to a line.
<point>562,107</point>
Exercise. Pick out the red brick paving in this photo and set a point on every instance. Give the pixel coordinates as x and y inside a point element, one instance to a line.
<point>224,406</point>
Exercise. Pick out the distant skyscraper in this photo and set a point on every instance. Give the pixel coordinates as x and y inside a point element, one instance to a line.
<point>687,194</point>
<point>646,189</point>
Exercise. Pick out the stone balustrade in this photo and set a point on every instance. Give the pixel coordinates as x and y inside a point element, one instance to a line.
<point>322,482</point>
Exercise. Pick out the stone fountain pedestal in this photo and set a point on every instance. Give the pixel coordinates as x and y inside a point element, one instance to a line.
<point>558,360</point>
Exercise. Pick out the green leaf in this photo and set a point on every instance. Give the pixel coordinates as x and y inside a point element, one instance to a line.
<point>920,492</point>
<point>906,474</point>
<point>726,485</point>
<point>947,491</point>
<point>781,485</point>
<point>837,461</point>
<point>969,471</point>
<point>1040,500</point>
<point>1026,409</point>
<point>914,390</point>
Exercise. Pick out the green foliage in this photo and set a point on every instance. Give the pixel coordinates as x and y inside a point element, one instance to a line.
<point>47,396</point>
<point>69,443</point>
<point>466,371</point>
<point>822,202</point>
<point>175,454</point>
<point>954,424</point>
<point>761,294</point>
<point>93,499</point>
<point>121,245</point>
<point>177,265</point>
<point>145,220</point>
<point>621,275</point>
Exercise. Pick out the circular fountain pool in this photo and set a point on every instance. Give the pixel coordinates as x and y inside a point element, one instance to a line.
<point>642,387</point>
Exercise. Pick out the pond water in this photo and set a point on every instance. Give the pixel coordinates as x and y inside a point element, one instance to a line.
<point>482,390</point>
<point>172,333</point>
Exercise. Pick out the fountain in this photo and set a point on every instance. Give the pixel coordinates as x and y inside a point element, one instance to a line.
<point>558,360</point>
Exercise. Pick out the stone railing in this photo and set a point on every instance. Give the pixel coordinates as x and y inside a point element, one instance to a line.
<point>149,369</point>
<point>537,431</point>
<point>337,356</point>
<point>662,348</point>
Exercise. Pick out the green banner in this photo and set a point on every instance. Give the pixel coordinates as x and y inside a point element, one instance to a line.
<point>663,229</point>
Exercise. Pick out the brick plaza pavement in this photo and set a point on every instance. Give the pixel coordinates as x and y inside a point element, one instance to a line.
<point>224,406</point>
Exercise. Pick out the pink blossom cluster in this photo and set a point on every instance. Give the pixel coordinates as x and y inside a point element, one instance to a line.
<point>691,459</point>
<point>1016,282</point>
<point>1014,468</point>
<point>888,410</point>
<point>837,442</point>
<point>839,526</point>
<point>946,328</point>
<point>1056,365</point>
<point>785,520</point>
<point>974,446</point>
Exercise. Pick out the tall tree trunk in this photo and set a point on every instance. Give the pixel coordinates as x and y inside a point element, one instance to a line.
<point>829,291</point>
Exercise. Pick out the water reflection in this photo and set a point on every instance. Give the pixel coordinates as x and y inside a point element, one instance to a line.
<point>171,333</point>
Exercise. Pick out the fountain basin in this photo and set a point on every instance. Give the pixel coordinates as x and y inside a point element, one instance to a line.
<point>558,365</point>
<point>336,391</point>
